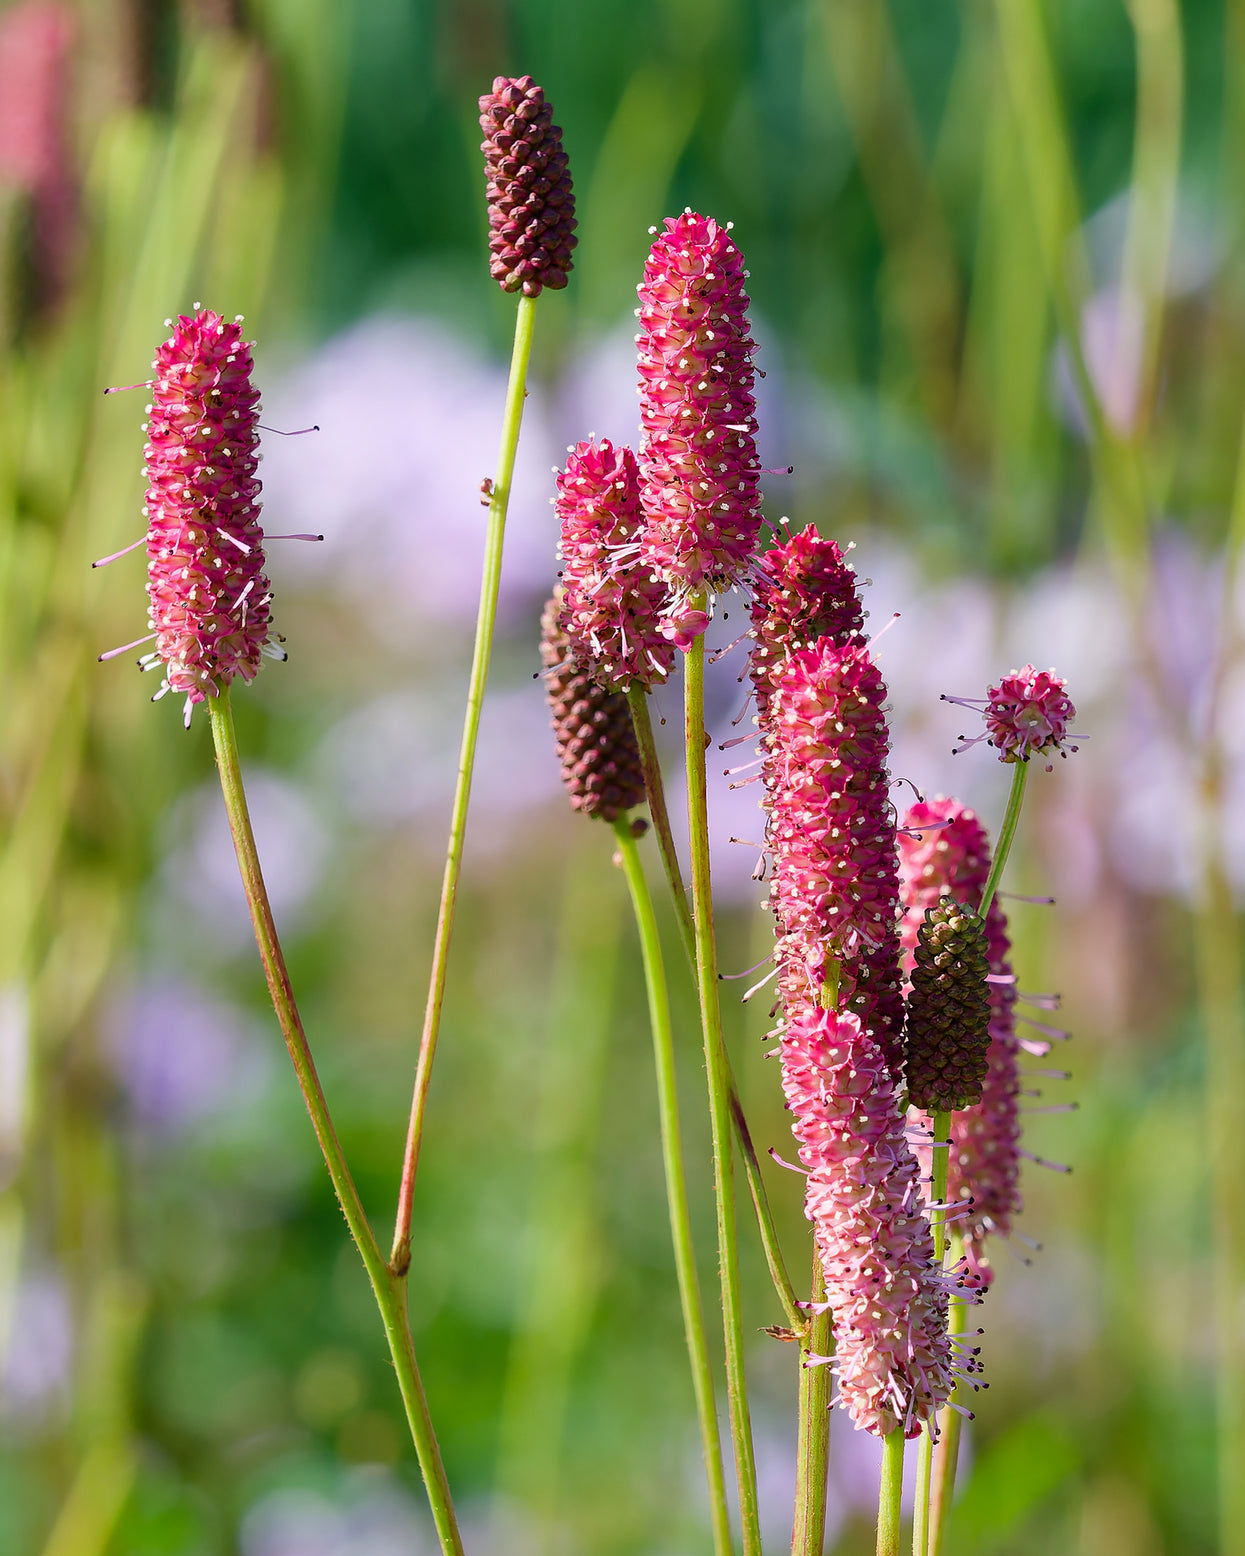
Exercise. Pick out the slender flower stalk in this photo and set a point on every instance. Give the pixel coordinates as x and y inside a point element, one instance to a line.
<point>812,1458</point>
<point>531,211</point>
<point>655,790</point>
<point>719,1088</point>
<point>890,1493</point>
<point>388,1288</point>
<point>676,1181</point>
<point>499,503</point>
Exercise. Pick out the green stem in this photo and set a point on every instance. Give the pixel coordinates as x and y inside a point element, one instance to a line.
<point>719,1091</point>
<point>516,392</point>
<point>1007,834</point>
<point>812,1462</point>
<point>947,1453</point>
<point>940,1167</point>
<point>890,1493</point>
<point>676,1181</point>
<point>655,791</point>
<point>387,1288</point>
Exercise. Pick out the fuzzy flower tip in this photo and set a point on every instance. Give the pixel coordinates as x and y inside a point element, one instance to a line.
<point>205,555</point>
<point>698,462</point>
<point>863,1197</point>
<point>835,883</point>
<point>610,606</point>
<point>601,769</point>
<point>531,205</point>
<point>803,591</point>
<point>1026,714</point>
<point>944,850</point>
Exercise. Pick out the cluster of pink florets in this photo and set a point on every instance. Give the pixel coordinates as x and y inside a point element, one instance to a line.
<point>889,1301</point>
<point>205,557</point>
<point>1026,714</point>
<point>699,468</point>
<point>944,849</point>
<point>610,607</point>
<point>835,883</point>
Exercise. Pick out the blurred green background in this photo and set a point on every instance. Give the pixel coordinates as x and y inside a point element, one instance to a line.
<point>996,259</point>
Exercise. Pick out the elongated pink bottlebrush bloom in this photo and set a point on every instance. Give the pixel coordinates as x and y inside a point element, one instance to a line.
<point>205,554</point>
<point>888,1299</point>
<point>610,605</point>
<point>835,883</point>
<point>1026,714</point>
<point>699,468</point>
<point>944,848</point>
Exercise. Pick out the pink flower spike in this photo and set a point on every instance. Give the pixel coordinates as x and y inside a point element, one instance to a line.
<point>205,548</point>
<point>699,468</point>
<point>1026,713</point>
<point>889,1300</point>
<point>610,605</point>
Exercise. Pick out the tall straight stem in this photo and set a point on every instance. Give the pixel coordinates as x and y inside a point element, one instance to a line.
<point>388,1289</point>
<point>939,1171</point>
<point>655,792</point>
<point>719,1090</point>
<point>499,504</point>
<point>676,1181</point>
<point>1007,835</point>
<point>812,1459</point>
<point>947,1453</point>
<point>890,1493</point>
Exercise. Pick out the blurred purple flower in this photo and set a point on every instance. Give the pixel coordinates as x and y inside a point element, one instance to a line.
<point>37,1347</point>
<point>200,872</point>
<point>409,417</point>
<point>373,1514</point>
<point>183,1055</point>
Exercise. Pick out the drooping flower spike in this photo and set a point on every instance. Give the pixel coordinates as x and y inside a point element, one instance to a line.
<point>531,205</point>
<point>610,604</point>
<point>1026,714</point>
<point>595,738</point>
<point>209,598</point>
<point>699,468</point>
<point>944,851</point>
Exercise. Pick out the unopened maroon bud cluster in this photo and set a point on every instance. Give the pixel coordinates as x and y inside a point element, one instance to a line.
<point>531,205</point>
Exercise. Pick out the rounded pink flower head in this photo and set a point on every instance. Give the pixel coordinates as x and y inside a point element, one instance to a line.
<point>205,555</point>
<point>531,205</point>
<point>698,461</point>
<point>835,882</point>
<point>888,1298</point>
<point>944,849</point>
<point>1026,713</point>
<point>610,605</point>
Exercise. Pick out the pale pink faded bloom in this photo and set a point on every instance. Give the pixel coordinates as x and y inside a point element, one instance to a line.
<point>699,468</point>
<point>610,605</point>
<point>835,883</point>
<point>944,849</point>
<point>205,548</point>
<point>1026,714</point>
<point>863,1196</point>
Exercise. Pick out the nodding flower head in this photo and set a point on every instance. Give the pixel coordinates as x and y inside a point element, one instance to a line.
<point>205,554</point>
<point>531,205</point>
<point>610,605</point>
<point>804,590</point>
<point>592,728</point>
<point>888,1298</point>
<point>1026,713</point>
<point>835,882</point>
<point>698,462</point>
